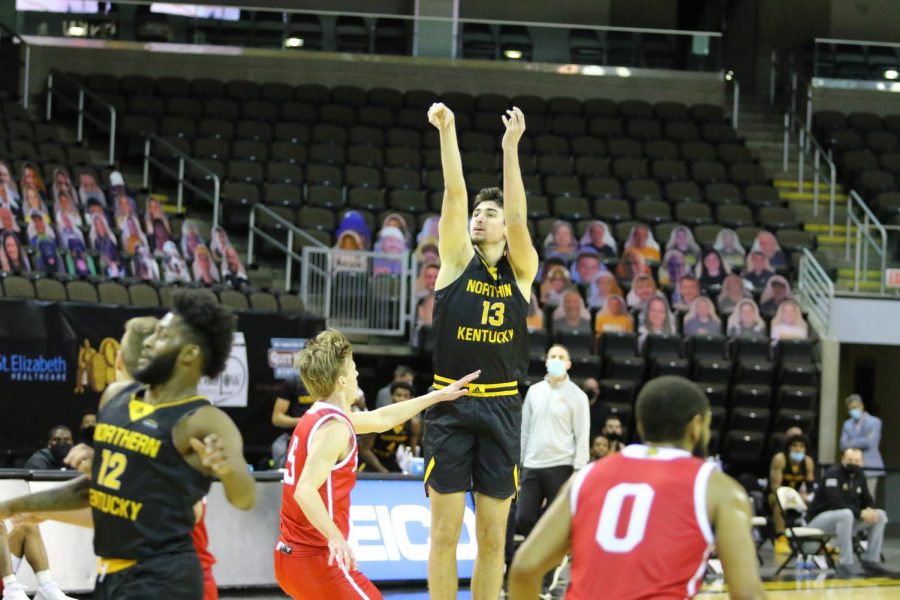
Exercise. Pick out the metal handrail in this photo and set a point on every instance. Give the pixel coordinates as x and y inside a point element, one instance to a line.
<point>183,160</point>
<point>864,240</point>
<point>26,82</point>
<point>736,97</point>
<point>816,292</point>
<point>809,148</point>
<point>857,42</point>
<point>83,92</point>
<point>290,255</point>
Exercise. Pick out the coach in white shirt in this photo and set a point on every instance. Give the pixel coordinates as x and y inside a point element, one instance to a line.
<point>555,438</point>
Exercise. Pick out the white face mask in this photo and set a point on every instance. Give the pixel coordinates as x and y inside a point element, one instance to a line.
<point>556,367</point>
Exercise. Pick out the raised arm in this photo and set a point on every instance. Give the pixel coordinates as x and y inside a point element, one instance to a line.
<point>455,245</point>
<point>522,255</point>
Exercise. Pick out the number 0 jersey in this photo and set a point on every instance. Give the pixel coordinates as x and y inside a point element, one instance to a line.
<point>479,323</point>
<point>142,491</point>
<point>640,528</point>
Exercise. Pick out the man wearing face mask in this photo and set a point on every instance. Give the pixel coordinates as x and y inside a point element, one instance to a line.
<point>844,507</point>
<point>88,424</point>
<point>863,430</point>
<point>615,433</point>
<point>792,468</point>
<point>51,458</point>
<point>555,438</point>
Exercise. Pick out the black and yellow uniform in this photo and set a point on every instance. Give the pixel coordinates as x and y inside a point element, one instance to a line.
<point>479,323</point>
<point>386,443</point>
<point>293,389</point>
<point>794,474</point>
<point>142,496</point>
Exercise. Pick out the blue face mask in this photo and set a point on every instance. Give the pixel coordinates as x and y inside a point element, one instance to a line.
<point>855,414</point>
<point>556,367</point>
<point>797,456</point>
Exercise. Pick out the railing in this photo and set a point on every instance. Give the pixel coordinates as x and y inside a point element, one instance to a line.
<point>83,94</point>
<point>154,141</point>
<point>822,165</point>
<point>816,292</point>
<point>25,61</point>
<point>735,97</point>
<point>358,292</point>
<point>286,246</point>
<point>865,241</point>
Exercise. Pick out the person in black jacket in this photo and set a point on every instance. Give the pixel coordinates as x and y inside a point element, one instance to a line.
<point>844,507</point>
<point>51,458</point>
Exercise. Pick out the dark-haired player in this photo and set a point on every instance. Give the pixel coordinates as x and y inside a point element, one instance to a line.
<point>641,523</point>
<point>157,445</point>
<point>482,296</point>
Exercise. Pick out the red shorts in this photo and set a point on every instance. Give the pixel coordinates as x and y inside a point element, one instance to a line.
<point>210,589</point>
<point>311,577</point>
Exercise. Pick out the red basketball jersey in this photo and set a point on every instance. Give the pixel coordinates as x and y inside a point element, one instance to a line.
<point>640,527</point>
<point>201,539</point>
<point>296,530</point>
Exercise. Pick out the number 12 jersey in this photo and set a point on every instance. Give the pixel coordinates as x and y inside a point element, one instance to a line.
<point>640,527</point>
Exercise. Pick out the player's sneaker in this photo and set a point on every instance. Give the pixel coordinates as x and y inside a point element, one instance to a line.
<point>51,591</point>
<point>14,591</point>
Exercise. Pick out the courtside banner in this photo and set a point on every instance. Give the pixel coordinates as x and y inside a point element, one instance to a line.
<point>390,524</point>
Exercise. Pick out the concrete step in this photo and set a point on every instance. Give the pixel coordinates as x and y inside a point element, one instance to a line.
<point>831,240</point>
<point>864,286</point>
<point>809,197</point>
<point>791,184</point>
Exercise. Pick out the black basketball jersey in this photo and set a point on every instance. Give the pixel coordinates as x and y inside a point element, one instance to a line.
<point>794,474</point>
<point>479,323</point>
<point>387,442</point>
<point>142,490</point>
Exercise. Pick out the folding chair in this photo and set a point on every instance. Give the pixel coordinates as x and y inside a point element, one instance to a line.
<point>797,533</point>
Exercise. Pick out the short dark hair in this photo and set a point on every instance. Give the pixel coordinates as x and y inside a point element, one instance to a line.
<point>666,405</point>
<point>58,428</point>
<point>211,324</point>
<point>403,371</point>
<point>491,194</point>
<point>612,417</point>
<point>794,439</point>
<point>402,385</point>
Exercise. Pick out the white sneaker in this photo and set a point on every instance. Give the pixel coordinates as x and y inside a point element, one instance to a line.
<point>51,591</point>
<point>14,591</point>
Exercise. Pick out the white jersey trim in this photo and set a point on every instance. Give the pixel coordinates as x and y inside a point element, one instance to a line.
<point>701,483</point>
<point>654,452</point>
<point>577,480</point>
<point>339,416</point>
<point>352,583</point>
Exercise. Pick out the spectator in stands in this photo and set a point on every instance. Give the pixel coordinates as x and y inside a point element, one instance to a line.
<point>12,258</point>
<point>561,241</point>
<point>291,402</point>
<point>613,317</point>
<point>557,282</point>
<point>427,252</point>
<point>67,230</point>
<point>729,247</point>
<point>65,206</point>
<point>788,322</point>
<point>600,239</point>
<point>111,262</point>
<point>117,187</point>
<point>656,319</point>
<point>399,221</point>
<point>766,243</point>
<point>682,239</point>
<point>31,177</point>
<point>711,271</point>
<point>34,203</point>
<point>174,268</point>
<point>349,260</point>
<point>555,438</point>
<point>62,184</point>
<point>687,291</point>
<point>88,189</point>
<point>535,318</point>
<point>863,430</point>
<point>701,318</point>
<point>50,458</point>
<point>125,209</point>
<point>745,320</point>
<point>7,181</point>
<point>349,240</point>
<point>143,266</point>
<point>602,287</point>
<point>159,236</point>
<point>758,270</point>
<point>777,290</point>
<point>78,261</point>
<point>132,236</point>
<point>154,213</point>
<point>392,241</point>
<point>672,268</point>
<point>571,315</point>
<point>190,239</point>
<point>219,242</point>
<point>425,311</point>
<point>38,230</point>
<point>8,202</point>
<point>353,220</point>
<point>615,433</point>
<point>430,230</point>
<point>642,240</point>
<point>586,267</point>
<point>93,207</point>
<point>233,270</point>
<point>48,259</point>
<point>599,447</point>
<point>101,237</point>
<point>8,220</point>
<point>378,451</point>
<point>427,279</point>
<point>794,468</point>
<point>401,373</point>
<point>632,264</point>
<point>204,267</point>
<point>642,289</point>
<point>733,291</point>
<point>87,427</point>
<point>844,507</point>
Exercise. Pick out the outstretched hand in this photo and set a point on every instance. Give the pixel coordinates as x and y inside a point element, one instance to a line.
<point>514,120</point>
<point>211,451</point>
<point>456,389</point>
<point>440,116</point>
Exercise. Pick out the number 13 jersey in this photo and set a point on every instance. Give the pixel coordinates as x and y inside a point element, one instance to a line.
<point>640,527</point>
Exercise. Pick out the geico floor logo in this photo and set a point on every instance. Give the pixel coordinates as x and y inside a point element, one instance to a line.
<point>401,532</point>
